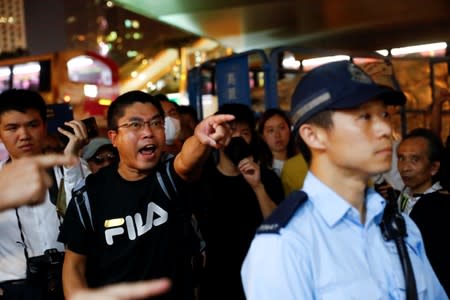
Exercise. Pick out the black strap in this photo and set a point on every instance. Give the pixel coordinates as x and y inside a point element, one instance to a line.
<point>53,192</point>
<point>393,227</point>
<point>166,181</point>
<point>25,251</point>
<point>81,198</point>
<point>19,224</point>
<point>53,189</point>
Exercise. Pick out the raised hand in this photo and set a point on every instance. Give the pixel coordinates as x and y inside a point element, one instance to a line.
<point>214,130</point>
<point>251,171</point>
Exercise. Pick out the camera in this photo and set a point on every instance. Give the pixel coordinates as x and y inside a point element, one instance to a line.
<point>46,270</point>
<point>91,127</point>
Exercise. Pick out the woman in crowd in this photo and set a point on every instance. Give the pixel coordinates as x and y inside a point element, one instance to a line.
<point>275,130</point>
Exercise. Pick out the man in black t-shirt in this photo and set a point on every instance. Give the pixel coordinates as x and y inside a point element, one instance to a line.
<point>237,195</point>
<point>137,227</point>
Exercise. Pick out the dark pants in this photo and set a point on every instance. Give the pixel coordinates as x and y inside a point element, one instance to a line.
<point>21,290</point>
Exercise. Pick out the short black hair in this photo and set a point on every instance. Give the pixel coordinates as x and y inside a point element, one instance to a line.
<point>22,100</point>
<point>322,119</point>
<point>242,113</point>
<point>435,146</point>
<point>161,97</point>
<point>164,98</point>
<point>188,110</point>
<point>117,108</point>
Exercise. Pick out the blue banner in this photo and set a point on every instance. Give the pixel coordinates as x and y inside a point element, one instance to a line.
<point>194,88</point>
<point>232,78</point>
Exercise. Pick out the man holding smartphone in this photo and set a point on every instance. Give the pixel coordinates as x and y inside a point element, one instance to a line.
<point>135,229</point>
<point>28,231</point>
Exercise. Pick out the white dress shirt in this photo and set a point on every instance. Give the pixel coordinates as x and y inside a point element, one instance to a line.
<point>40,227</point>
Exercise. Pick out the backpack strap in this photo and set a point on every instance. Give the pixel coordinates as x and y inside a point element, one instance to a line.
<point>80,196</point>
<point>166,180</point>
<point>167,184</point>
<point>281,216</point>
<point>83,205</point>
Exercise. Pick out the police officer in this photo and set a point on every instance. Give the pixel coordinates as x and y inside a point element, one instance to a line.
<point>326,242</point>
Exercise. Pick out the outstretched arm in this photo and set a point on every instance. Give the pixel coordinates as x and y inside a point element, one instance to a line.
<point>74,273</point>
<point>212,132</point>
<point>125,291</point>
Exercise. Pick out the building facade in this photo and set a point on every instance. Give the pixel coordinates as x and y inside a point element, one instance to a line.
<point>12,26</point>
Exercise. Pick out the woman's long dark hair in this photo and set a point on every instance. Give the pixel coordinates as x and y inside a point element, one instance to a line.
<point>265,154</point>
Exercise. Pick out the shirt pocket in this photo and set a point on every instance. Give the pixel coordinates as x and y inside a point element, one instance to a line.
<point>355,289</point>
<point>418,269</point>
<point>419,273</point>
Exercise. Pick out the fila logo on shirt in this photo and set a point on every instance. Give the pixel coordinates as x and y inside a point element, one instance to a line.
<point>135,226</point>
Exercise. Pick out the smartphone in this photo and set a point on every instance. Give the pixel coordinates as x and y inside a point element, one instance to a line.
<point>91,128</point>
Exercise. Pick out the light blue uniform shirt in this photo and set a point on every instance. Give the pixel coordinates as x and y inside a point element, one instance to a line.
<point>324,252</point>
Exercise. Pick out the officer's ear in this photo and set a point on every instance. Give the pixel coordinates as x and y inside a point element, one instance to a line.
<point>313,135</point>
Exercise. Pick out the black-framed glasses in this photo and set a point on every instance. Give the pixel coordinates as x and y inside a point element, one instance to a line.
<point>100,159</point>
<point>137,125</point>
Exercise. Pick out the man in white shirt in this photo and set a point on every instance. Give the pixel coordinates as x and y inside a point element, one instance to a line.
<point>29,231</point>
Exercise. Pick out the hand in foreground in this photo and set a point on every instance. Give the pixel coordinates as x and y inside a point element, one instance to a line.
<point>25,180</point>
<point>128,291</point>
<point>214,130</point>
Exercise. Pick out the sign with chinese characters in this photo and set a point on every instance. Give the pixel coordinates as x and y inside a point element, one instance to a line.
<point>232,79</point>
<point>57,114</point>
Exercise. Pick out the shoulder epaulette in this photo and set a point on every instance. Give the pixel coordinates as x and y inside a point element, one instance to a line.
<point>283,213</point>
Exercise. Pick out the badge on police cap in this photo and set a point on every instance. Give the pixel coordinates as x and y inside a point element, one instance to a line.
<point>358,74</point>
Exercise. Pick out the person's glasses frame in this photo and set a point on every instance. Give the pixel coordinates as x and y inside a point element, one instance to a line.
<point>139,124</point>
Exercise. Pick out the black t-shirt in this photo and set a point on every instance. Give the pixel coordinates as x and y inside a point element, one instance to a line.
<point>430,214</point>
<point>231,217</point>
<point>138,230</point>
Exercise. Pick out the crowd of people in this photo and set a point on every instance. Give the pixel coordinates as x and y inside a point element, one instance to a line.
<point>289,205</point>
